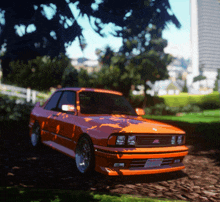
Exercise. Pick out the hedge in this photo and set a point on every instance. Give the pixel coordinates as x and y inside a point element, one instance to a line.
<point>203,101</point>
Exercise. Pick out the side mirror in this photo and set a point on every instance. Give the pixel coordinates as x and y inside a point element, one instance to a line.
<point>140,112</point>
<point>69,108</point>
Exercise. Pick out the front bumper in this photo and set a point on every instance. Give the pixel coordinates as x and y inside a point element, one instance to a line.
<point>135,159</point>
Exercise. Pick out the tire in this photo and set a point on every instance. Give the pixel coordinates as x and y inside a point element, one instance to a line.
<point>85,158</point>
<point>35,138</point>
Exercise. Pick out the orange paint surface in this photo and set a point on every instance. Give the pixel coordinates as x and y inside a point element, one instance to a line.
<point>64,129</point>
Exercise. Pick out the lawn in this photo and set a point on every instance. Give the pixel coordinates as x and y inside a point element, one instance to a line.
<point>184,99</point>
<point>207,116</point>
<point>58,195</point>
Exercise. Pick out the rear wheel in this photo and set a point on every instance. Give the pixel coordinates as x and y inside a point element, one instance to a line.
<point>85,159</point>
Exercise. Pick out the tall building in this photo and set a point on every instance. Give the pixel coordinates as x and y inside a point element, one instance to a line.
<point>205,37</point>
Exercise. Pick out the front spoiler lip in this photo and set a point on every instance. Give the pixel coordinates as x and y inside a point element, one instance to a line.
<point>117,172</point>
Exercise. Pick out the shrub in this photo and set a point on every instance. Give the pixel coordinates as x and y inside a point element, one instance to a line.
<point>136,101</point>
<point>191,108</point>
<point>201,100</point>
<point>210,105</point>
<point>40,73</point>
<point>162,109</point>
<point>148,110</point>
<point>11,109</point>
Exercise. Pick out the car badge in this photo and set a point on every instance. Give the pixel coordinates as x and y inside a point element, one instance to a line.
<point>154,129</point>
<point>156,141</point>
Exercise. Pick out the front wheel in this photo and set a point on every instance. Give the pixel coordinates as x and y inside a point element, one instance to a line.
<point>85,159</point>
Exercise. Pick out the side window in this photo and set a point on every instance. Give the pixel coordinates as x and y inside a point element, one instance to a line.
<point>68,97</point>
<point>51,105</point>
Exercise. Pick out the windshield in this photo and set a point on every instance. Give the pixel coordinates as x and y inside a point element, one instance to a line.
<point>104,103</point>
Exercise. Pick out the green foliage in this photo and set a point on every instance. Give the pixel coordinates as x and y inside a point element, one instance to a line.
<point>199,78</point>
<point>185,99</point>
<point>151,62</point>
<point>162,109</point>
<point>84,79</point>
<point>207,116</point>
<point>60,195</point>
<point>116,72</point>
<point>185,89</point>
<point>10,110</point>
<point>137,100</point>
<point>70,77</point>
<point>40,73</point>
<point>211,101</point>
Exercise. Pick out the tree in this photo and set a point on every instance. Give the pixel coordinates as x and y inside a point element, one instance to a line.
<point>29,29</point>
<point>185,89</point>
<point>151,61</point>
<point>40,73</point>
<point>199,78</point>
<point>84,79</point>
<point>123,69</point>
<point>116,72</point>
<point>70,77</point>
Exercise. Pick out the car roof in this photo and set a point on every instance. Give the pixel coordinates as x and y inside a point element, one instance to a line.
<point>90,89</point>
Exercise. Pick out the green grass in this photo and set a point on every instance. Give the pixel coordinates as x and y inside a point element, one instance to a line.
<point>58,195</point>
<point>184,99</point>
<point>207,116</point>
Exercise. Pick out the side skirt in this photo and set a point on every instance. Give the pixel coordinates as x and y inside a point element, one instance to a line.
<point>60,148</point>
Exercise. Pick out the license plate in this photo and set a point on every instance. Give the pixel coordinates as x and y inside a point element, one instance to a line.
<point>150,163</point>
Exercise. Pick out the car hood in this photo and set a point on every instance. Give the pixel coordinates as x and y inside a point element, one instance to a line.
<point>126,124</point>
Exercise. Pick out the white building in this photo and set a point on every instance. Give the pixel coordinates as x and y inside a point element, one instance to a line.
<point>205,39</point>
<point>89,63</point>
<point>161,87</point>
<point>175,71</point>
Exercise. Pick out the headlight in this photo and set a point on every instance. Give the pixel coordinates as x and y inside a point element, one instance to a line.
<point>173,140</point>
<point>120,140</point>
<point>131,140</point>
<point>180,139</point>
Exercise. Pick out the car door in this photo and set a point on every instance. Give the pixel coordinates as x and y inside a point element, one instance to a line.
<point>50,114</point>
<point>65,121</point>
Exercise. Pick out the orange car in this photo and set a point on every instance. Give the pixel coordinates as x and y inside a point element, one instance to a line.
<point>102,132</point>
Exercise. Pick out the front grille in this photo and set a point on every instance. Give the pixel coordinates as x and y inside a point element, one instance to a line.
<point>155,140</point>
<point>139,163</point>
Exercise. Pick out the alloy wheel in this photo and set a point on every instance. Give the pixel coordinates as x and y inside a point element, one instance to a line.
<point>83,155</point>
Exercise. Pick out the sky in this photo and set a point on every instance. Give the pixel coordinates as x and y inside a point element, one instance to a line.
<point>178,39</point>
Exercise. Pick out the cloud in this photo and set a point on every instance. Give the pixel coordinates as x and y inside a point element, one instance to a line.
<point>179,50</point>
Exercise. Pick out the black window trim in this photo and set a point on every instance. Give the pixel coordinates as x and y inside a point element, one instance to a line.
<point>57,101</point>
